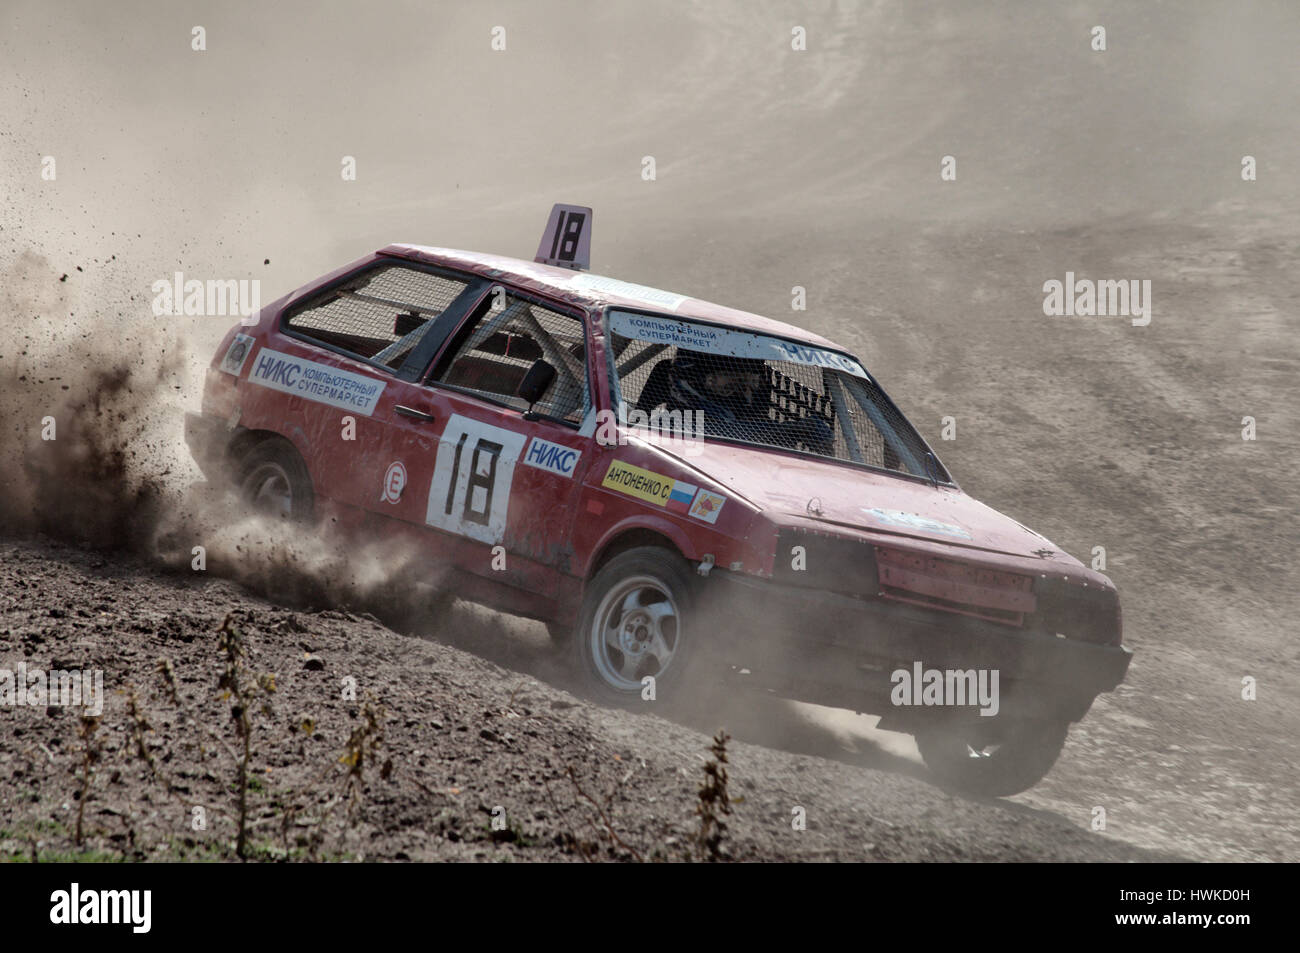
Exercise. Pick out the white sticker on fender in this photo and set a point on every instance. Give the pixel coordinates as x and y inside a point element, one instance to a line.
<point>472,479</point>
<point>319,382</point>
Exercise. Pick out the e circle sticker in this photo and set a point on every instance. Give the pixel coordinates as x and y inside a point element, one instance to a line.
<point>394,483</point>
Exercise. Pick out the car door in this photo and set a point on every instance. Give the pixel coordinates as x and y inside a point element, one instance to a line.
<point>472,462</point>
<point>369,336</point>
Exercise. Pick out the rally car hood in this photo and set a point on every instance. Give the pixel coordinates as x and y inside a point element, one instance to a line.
<point>860,499</point>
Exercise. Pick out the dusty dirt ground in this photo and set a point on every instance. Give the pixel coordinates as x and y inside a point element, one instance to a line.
<point>818,169</point>
<point>462,736</point>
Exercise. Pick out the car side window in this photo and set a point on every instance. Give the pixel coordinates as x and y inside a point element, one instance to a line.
<point>495,352</point>
<point>380,315</point>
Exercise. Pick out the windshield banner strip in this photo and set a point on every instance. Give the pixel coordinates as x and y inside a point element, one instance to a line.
<point>715,340</point>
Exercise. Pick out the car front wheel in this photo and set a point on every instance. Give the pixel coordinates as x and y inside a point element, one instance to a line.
<point>977,761</point>
<point>637,624</point>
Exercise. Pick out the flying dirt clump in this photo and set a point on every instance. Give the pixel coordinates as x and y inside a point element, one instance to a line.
<point>292,564</point>
<point>83,446</point>
<point>92,453</point>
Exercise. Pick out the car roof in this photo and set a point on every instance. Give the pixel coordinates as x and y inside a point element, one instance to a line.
<point>597,291</point>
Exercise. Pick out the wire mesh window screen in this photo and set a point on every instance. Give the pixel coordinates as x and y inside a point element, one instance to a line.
<point>381,315</point>
<point>786,404</point>
<point>510,337</point>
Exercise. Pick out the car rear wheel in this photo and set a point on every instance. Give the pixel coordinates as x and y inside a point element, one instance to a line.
<point>637,623</point>
<point>974,760</point>
<point>274,481</point>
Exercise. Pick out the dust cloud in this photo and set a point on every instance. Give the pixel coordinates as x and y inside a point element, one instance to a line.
<point>774,169</point>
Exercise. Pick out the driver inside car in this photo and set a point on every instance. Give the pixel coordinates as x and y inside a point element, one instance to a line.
<point>735,394</point>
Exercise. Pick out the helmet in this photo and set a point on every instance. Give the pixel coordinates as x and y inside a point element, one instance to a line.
<point>724,387</point>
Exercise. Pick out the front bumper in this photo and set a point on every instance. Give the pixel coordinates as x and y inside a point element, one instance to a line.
<point>839,650</point>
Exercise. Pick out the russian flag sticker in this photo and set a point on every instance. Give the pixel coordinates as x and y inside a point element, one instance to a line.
<point>679,501</point>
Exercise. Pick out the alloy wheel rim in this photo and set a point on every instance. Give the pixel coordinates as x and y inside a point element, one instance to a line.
<point>636,632</point>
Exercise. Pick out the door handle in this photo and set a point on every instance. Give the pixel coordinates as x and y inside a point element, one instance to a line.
<point>414,414</point>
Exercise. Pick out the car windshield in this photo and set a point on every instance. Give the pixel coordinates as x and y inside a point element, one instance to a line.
<point>719,383</point>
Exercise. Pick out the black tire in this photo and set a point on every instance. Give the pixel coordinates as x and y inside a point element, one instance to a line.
<point>650,590</point>
<point>273,479</point>
<point>961,757</point>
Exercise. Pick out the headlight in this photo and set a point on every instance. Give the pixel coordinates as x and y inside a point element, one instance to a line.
<point>814,560</point>
<point>1085,613</point>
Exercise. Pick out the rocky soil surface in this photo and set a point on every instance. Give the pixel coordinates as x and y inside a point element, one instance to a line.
<point>453,739</point>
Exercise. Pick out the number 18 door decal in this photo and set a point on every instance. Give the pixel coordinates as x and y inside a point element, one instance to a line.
<point>472,476</point>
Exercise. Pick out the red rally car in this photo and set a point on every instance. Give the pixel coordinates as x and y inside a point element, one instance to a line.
<point>681,490</point>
